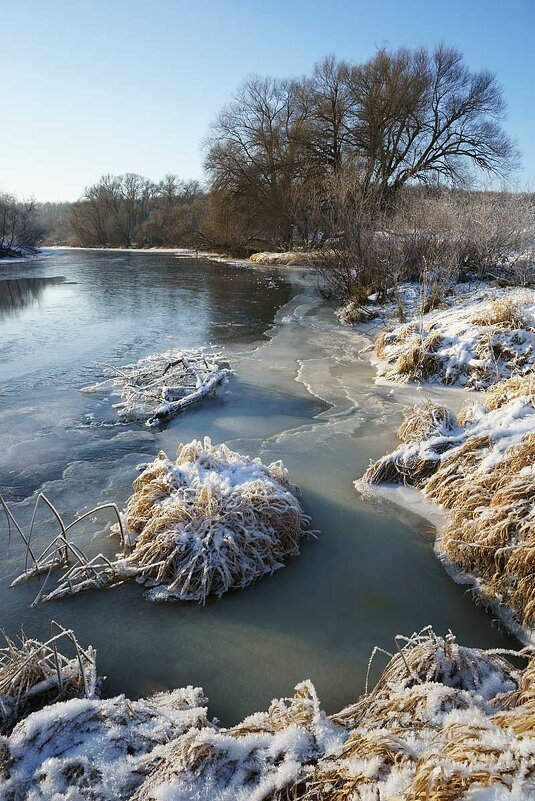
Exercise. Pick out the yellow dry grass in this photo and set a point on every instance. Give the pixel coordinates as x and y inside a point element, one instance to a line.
<point>195,537</point>
<point>442,720</point>
<point>494,340</point>
<point>491,499</point>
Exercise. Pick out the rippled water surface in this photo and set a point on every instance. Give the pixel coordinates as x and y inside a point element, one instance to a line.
<point>302,392</point>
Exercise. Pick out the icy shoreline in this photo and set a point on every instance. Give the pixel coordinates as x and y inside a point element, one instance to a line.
<point>441,716</point>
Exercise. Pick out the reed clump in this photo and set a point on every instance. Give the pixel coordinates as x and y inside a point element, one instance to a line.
<point>481,467</point>
<point>355,311</point>
<point>34,674</point>
<point>209,522</point>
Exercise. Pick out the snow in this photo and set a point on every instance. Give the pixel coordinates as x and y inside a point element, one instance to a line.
<point>466,344</point>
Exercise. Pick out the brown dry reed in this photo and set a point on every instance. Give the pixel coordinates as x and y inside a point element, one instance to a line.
<point>491,533</point>
<point>34,674</point>
<point>210,522</point>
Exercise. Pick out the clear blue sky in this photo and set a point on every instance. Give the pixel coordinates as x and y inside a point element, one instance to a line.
<point>96,86</point>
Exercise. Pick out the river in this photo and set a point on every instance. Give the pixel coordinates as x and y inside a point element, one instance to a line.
<point>303,391</point>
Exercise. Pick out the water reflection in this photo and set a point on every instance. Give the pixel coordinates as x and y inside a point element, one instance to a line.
<point>16,294</point>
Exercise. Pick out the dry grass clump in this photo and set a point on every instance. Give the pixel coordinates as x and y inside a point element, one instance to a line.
<point>507,312</point>
<point>415,359</point>
<point>483,472</point>
<point>211,521</point>
<point>354,312</point>
<point>473,345</point>
<point>34,674</point>
<point>444,721</point>
<point>288,258</point>
<point>505,391</point>
<point>414,465</point>
<point>259,758</point>
<point>425,420</point>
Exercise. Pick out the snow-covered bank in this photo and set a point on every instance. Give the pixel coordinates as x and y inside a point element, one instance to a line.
<point>14,255</point>
<point>444,722</point>
<point>210,522</point>
<point>474,342</point>
<point>480,466</point>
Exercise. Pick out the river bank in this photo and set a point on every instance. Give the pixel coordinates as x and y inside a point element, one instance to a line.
<point>302,391</point>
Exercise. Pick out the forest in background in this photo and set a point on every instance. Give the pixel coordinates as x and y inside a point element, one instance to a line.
<point>375,169</point>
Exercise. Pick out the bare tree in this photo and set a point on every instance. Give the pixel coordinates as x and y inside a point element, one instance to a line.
<point>421,116</point>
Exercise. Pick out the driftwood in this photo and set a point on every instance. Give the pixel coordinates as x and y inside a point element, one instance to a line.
<point>162,385</point>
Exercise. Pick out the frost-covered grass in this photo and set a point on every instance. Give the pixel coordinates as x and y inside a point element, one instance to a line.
<point>473,343</point>
<point>354,312</point>
<point>481,467</point>
<point>444,722</point>
<point>211,521</point>
<point>34,674</point>
<point>158,387</point>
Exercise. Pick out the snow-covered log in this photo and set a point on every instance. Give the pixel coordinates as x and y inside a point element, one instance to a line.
<point>160,386</point>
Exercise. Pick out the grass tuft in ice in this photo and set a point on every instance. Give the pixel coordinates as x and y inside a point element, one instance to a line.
<point>211,521</point>
<point>482,469</point>
<point>162,385</point>
<point>35,674</point>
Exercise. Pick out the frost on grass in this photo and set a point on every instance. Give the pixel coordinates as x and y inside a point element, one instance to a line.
<point>354,312</point>
<point>473,344</point>
<point>481,467</point>
<point>160,386</point>
<point>93,749</point>
<point>34,674</point>
<point>444,722</point>
<point>211,521</point>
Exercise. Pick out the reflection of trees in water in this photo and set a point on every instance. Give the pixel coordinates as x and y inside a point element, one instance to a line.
<point>18,293</point>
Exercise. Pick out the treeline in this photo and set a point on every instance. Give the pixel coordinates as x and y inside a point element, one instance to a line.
<point>370,168</point>
<point>132,211</point>
<point>401,118</point>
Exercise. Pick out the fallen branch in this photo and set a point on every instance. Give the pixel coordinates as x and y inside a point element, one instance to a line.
<point>158,387</point>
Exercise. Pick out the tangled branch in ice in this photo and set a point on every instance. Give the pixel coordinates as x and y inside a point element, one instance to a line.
<point>210,522</point>
<point>472,344</point>
<point>159,387</point>
<point>35,674</point>
<point>481,467</point>
<point>444,722</point>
